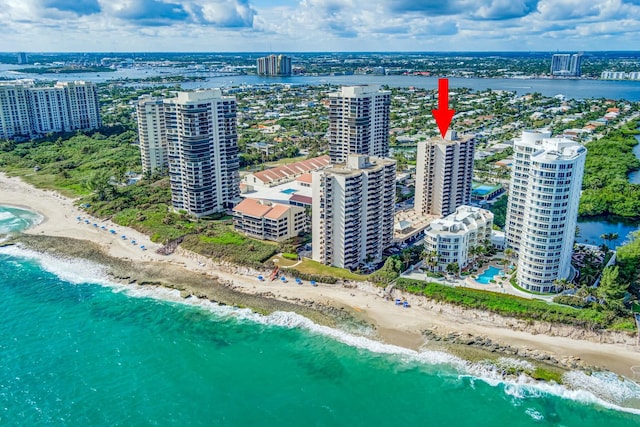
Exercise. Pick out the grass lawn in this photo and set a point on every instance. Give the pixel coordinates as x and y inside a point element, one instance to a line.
<point>284,161</point>
<point>309,266</point>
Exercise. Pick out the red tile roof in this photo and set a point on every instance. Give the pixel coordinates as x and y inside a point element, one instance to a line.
<point>293,169</point>
<point>300,199</point>
<point>277,212</point>
<point>305,177</point>
<point>252,207</point>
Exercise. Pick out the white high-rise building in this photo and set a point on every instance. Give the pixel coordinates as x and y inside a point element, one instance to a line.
<point>453,236</point>
<point>202,143</point>
<point>444,173</point>
<point>543,207</point>
<point>84,105</point>
<point>15,117</point>
<point>353,207</point>
<point>359,122</point>
<point>152,133</point>
<point>28,111</point>
<point>49,110</point>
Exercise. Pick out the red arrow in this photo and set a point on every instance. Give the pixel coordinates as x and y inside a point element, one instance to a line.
<point>443,115</point>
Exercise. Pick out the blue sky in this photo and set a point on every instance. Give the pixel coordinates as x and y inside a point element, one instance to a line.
<point>319,25</point>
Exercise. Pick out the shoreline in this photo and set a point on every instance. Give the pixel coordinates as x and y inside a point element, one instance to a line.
<point>426,325</point>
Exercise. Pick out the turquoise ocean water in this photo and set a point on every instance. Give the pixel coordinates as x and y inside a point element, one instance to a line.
<point>76,350</point>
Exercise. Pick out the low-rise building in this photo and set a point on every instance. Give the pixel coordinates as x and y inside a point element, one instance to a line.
<point>286,173</point>
<point>453,236</point>
<point>264,220</point>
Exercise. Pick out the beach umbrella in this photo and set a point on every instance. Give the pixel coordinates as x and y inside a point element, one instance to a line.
<point>313,283</point>
<point>260,278</point>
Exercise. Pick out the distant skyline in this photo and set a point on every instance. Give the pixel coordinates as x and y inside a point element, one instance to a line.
<point>318,25</point>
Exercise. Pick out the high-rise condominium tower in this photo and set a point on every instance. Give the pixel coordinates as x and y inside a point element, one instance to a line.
<point>543,207</point>
<point>27,110</point>
<point>359,122</point>
<point>564,64</point>
<point>22,58</point>
<point>444,171</point>
<point>202,145</point>
<point>274,65</point>
<point>152,133</point>
<point>84,106</point>
<point>353,207</point>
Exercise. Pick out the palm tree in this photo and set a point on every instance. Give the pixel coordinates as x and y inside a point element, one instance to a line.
<point>406,258</point>
<point>508,253</point>
<point>473,253</point>
<point>479,252</point>
<point>453,268</point>
<point>609,237</point>
<point>562,284</point>
<point>431,258</point>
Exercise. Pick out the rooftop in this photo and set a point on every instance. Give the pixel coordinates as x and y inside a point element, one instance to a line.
<point>292,170</point>
<point>283,193</point>
<point>261,209</point>
<point>253,207</point>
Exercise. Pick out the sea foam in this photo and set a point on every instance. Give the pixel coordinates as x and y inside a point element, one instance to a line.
<point>603,389</point>
<point>6,215</point>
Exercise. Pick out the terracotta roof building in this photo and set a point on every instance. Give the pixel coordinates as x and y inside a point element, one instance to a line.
<point>264,220</point>
<point>286,173</point>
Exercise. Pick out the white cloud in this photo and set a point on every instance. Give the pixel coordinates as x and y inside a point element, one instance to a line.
<point>340,25</point>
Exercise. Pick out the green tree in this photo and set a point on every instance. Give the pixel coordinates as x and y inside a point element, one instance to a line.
<point>453,268</point>
<point>611,290</point>
<point>431,259</point>
<point>562,284</point>
<point>609,237</point>
<point>406,258</point>
<point>100,184</point>
<point>389,271</point>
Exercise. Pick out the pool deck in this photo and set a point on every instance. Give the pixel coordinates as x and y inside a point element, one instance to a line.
<point>502,285</point>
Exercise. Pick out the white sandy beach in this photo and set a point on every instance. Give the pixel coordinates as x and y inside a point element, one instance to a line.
<point>395,325</point>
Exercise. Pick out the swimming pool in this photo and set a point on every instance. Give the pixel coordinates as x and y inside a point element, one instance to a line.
<point>488,275</point>
<point>484,189</point>
<point>289,191</point>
